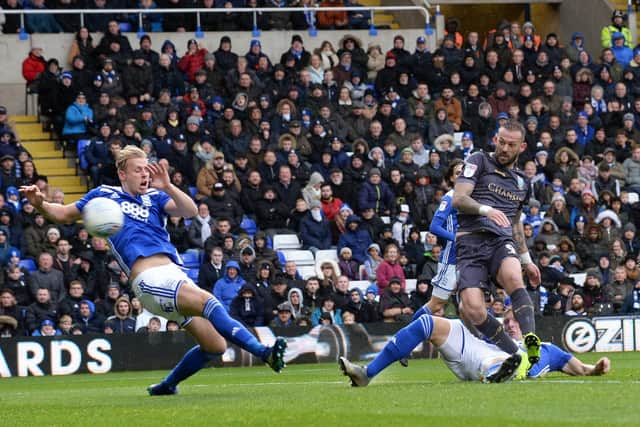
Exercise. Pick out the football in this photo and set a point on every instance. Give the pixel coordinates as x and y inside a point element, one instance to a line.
<point>102,217</point>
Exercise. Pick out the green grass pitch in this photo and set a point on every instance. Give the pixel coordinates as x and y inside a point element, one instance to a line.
<point>424,394</point>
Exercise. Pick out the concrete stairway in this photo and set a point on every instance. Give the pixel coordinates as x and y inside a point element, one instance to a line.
<point>380,18</point>
<point>48,158</point>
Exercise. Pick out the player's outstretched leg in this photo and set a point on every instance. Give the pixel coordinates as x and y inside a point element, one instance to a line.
<point>398,347</point>
<point>191,362</point>
<point>238,334</point>
<point>404,361</point>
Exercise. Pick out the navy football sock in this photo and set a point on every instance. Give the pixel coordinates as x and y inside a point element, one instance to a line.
<point>523,310</point>
<point>232,330</point>
<point>402,344</point>
<point>419,312</point>
<point>493,331</point>
<point>191,362</point>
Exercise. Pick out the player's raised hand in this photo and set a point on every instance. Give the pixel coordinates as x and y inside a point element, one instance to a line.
<point>33,195</point>
<point>533,274</point>
<point>159,176</point>
<point>499,218</point>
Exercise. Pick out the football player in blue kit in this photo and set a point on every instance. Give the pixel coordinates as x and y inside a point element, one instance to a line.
<point>552,357</point>
<point>147,197</point>
<point>470,358</point>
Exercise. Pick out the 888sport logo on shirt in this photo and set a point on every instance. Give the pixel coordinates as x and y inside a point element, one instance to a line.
<point>135,211</point>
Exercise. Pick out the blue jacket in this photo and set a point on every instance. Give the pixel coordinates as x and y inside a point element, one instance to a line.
<point>380,197</point>
<point>97,152</point>
<point>623,54</point>
<point>358,241</point>
<point>315,234</point>
<point>226,289</point>
<point>74,122</point>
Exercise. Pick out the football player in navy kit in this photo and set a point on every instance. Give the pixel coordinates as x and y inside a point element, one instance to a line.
<point>490,243</point>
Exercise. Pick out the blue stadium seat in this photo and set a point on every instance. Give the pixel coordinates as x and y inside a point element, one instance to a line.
<point>125,27</point>
<point>190,260</point>
<point>281,258</point>
<point>193,191</point>
<point>82,158</point>
<point>29,264</point>
<point>249,225</point>
<point>193,274</point>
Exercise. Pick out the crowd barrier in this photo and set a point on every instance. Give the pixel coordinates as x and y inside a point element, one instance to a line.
<point>99,354</point>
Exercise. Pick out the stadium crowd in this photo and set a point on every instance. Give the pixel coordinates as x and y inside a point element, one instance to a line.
<point>347,147</point>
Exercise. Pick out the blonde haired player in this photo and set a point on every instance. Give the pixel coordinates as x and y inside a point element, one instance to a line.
<point>146,197</point>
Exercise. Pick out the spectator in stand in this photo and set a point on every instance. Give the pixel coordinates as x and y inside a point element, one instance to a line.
<point>247,307</point>
<point>227,288</point>
<point>314,229</point>
<point>121,322</point>
<point>335,19</point>
<point>33,66</point>
<point>617,25</point>
<point>41,23</point>
<point>395,304</point>
<point>88,320</point>
<point>390,267</point>
<point>42,309</point>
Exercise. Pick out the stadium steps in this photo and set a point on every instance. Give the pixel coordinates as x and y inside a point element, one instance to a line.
<point>381,19</point>
<point>48,158</point>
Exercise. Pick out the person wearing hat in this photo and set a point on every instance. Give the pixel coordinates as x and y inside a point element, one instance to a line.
<point>300,55</point>
<point>227,288</point>
<point>315,231</point>
<point>376,192</point>
<point>248,307</point>
<point>192,60</point>
<point>387,76</point>
<point>270,211</point>
<point>284,319</point>
<point>617,26</point>
<point>395,304</point>
<point>139,78</point>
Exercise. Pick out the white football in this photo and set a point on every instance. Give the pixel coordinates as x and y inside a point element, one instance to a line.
<point>102,217</point>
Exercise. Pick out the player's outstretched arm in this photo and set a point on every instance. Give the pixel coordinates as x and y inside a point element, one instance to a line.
<point>60,214</point>
<point>180,204</point>
<point>576,367</point>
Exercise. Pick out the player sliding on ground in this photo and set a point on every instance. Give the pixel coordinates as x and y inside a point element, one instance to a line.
<point>468,357</point>
<point>142,247</point>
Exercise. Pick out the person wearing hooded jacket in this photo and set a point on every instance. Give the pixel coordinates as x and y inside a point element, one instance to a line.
<point>356,238</point>
<point>89,321</point>
<point>617,25</point>
<point>314,229</point>
<point>622,52</point>
<point>247,307</point>
<point>227,288</point>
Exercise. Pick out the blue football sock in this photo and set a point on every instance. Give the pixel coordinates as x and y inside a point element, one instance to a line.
<point>419,312</point>
<point>232,330</point>
<point>402,344</point>
<point>191,362</point>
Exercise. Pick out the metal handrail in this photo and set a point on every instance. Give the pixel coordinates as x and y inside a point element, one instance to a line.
<point>372,9</point>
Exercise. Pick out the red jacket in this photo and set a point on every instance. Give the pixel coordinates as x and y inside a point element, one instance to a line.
<point>32,67</point>
<point>386,271</point>
<point>191,63</point>
<point>331,209</point>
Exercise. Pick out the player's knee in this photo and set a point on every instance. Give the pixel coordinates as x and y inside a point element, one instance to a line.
<point>214,346</point>
<point>476,313</point>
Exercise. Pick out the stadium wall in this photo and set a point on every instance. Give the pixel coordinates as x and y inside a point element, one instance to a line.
<point>13,50</point>
<point>66,355</point>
